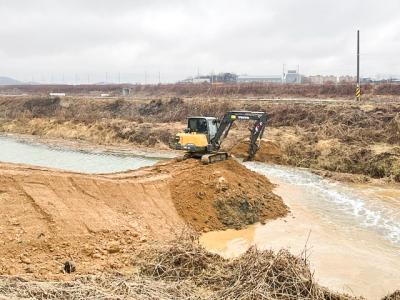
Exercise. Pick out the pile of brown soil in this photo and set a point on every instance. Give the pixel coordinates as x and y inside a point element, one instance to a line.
<point>223,195</point>
<point>268,152</point>
<point>103,222</point>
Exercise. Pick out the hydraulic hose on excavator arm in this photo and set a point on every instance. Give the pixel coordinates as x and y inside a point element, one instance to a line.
<point>256,132</point>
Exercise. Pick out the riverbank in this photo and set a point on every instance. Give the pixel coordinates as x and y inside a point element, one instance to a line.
<point>333,137</point>
<point>121,248</point>
<point>270,152</point>
<point>90,146</point>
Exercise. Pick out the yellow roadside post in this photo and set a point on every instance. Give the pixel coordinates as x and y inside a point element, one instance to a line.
<point>358,92</point>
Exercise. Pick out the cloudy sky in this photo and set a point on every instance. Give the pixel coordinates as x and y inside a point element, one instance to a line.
<point>134,40</point>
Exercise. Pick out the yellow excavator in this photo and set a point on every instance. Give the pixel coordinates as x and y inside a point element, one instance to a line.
<point>203,136</point>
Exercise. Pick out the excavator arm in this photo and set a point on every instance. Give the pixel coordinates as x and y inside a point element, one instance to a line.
<point>256,132</point>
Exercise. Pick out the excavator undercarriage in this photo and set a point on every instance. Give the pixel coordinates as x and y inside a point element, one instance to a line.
<point>204,135</point>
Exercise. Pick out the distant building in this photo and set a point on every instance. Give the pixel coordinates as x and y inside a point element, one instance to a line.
<point>321,79</point>
<point>329,79</point>
<point>213,78</point>
<point>292,76</point>
<point>201,80</point>
<point>366,80</point>
<point>56,95</point>
<point>260,78</point>
<point>347,79</point>
<point>224,78</point>
<point>315,79</point>
<point>126,91</point>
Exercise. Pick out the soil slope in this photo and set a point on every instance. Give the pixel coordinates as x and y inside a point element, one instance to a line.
<point>104,222</point>
<point>223,195</point>
<point>48,217</point>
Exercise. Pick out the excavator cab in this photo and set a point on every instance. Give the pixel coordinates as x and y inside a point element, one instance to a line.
<point>198,134</point>
<point>203,125</point>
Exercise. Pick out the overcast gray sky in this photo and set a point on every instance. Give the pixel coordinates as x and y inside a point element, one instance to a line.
<point>51,39</point>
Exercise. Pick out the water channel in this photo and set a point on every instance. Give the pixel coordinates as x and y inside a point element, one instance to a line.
<point>20,151</point>
<point>351,232</point>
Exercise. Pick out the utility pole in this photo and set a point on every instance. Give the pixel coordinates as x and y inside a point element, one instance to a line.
<point>358,87</point>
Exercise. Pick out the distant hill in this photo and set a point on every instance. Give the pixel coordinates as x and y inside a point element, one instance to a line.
<point>8,81</point>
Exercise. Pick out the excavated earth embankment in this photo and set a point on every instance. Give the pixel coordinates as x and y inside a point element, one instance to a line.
<point>105,222</point>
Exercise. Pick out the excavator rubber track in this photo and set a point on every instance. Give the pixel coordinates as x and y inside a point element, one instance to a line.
<point>214,157</point>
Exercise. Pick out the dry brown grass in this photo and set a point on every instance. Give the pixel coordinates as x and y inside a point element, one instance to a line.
<point>342,90</point>
<point>99,287</point>
<point>254,275</point>
<point>185,270</point>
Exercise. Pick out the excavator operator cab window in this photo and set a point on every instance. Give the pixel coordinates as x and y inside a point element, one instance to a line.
<point>198,125</point>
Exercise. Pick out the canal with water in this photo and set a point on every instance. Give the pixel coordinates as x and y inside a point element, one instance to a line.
<point>351,232</point>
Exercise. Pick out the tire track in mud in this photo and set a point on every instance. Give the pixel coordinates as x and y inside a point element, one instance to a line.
<point>49,220</point>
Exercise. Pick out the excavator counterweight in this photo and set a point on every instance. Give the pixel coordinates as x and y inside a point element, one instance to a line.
<point>204,135</point>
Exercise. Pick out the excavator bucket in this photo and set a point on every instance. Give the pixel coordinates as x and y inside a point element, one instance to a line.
<point>256,132</point>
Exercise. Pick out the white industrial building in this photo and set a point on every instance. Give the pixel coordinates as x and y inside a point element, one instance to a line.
<point>260,78</point>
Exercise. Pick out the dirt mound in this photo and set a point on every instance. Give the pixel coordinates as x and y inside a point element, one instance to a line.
<point>223,195</point>
<point>102,222</point>
<point>268,152</point>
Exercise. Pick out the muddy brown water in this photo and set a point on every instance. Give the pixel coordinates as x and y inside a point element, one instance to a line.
<point>350,232</point>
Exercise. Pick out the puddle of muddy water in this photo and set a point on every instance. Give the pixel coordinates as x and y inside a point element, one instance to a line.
<point>351,232</point>
<point>17,151</point>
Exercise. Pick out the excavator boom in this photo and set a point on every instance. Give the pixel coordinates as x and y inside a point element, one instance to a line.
<point>256,132</point>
